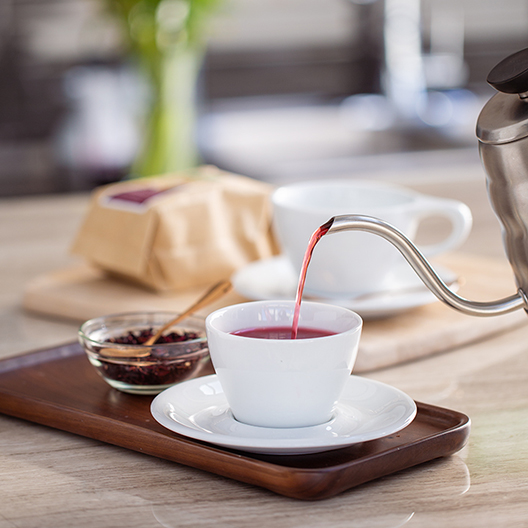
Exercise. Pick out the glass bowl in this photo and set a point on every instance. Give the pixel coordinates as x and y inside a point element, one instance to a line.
<point>140,369</point>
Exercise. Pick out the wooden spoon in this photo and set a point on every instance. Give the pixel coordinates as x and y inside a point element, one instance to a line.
<point>216,292</point>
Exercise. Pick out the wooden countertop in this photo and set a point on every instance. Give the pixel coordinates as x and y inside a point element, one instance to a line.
<point>55,479</point>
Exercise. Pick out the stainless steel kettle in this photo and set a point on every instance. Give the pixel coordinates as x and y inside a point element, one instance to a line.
<point>502,131</point>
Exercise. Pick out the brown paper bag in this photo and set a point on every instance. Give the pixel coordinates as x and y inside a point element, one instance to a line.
<point>178,231</point>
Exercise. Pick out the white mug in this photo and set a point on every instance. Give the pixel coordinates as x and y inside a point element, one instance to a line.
<point>351,263</point>
<point>283,382</point>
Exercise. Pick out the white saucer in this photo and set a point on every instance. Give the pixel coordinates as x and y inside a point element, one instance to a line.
<point>367,410</point>
<point>275,278</point>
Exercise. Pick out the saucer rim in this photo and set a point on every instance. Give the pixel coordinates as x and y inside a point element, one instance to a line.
<point>274,446</point>
<point>393,304</point>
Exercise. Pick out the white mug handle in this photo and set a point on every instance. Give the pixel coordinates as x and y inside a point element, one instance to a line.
<point>456,212</point>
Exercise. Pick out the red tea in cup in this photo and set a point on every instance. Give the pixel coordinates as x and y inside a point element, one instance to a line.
<point>282,332</point>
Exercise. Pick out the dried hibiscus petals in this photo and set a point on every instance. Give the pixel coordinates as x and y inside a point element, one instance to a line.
<point>140,337</point>
<point>165,365</point>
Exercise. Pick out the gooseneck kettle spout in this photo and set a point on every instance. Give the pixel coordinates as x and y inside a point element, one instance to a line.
<point>421,266</point>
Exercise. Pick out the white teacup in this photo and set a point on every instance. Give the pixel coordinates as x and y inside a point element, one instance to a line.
<point>283,382</point>
<point>352,263</point>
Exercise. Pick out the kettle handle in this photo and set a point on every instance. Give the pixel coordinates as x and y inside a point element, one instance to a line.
<point>422,267</point>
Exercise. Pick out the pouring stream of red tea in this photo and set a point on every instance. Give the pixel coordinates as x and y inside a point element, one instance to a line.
<point>316,236</point>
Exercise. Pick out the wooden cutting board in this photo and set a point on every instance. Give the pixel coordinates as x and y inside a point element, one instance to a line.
<point>83,292</point>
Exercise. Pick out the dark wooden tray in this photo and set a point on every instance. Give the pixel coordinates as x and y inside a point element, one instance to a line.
<point>59,388</point>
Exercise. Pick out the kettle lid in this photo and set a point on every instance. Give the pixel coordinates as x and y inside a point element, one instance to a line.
<point>504,118</point>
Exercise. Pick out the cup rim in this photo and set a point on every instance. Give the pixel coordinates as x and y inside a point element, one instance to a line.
<point>398,190</point>
<point>291,303</point>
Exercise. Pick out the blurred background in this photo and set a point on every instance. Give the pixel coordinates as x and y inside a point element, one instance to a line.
<point>281,89</point>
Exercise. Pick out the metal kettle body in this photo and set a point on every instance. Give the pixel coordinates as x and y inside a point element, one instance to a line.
<point>502,131</point>
<point>507,181</point>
